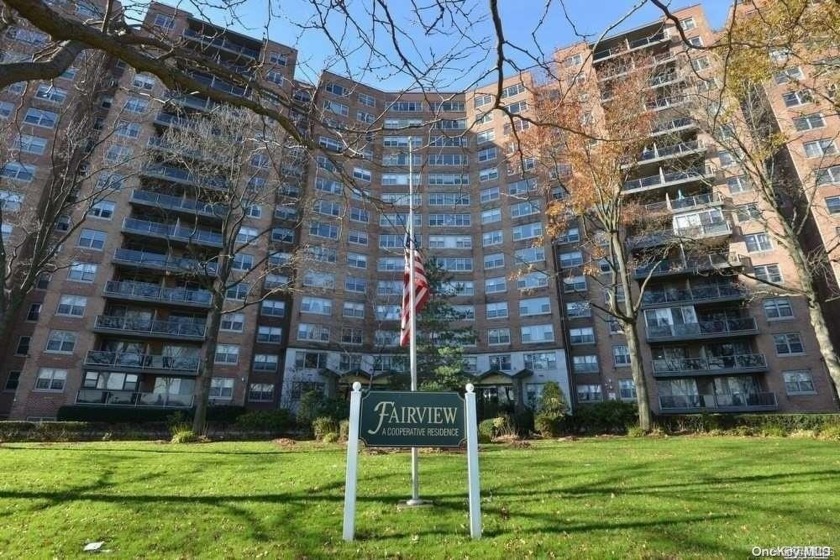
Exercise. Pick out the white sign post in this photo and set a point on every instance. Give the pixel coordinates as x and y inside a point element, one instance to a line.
<point>470,429</point>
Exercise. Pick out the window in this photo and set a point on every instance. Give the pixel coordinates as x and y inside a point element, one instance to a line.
<point>530,255</point>
<point>495,285</point>
<point>696,41</point>
<point>541,361</point>
<point>700,63</point>
<point>246,235</point>
<point>799,382</point>
<point>534,306</point>
<point>809,122</point>
<point>796,98</point>
<point>450,220</point>
<point>583,335</point>
<point>777,308</point>
<point>537,333</point>
<point>585,364</point>
<point>497,310</point>
<point>117,153</point>
<point>238,292</point>
<point>321,229</point>
<point>227,354</point>
<point>260,392</point>
<point>758,242</point>
<point>34,312</point>
<point>362,174</point>
<point>315,305</point>
<point>221,388</point>
<point>353,310</point>
<point>488,174</point>
<point>738,184</point>
<point>351,335</point>
<point>747,212</point>
<point>527,231</point>
<point>163,22</point>
<point>769,273</point>
<point>62,342</point>
<point>273,308</point>
<point>571,259</point>
<point>43,119</point>
<point>269,335</point>
<point>788,344</point>
<point>82,272</point>
<point>232,322</point>
<point>31,144</point>
<point>485,136</point>
<point>829,175</point>
<point>574,284</point>
<point>448,199</point>
<point>104,210</point>
<point>242,262</point>
<point>688,24</point>
<point>143,81</point>
<point>788,74</point>
<point>356,260</point>
<point>355,284</point>
<point>136,105</point>
<point>73,306</point>
<point>22,348</point>
<point>18,172</point>
<point>12,381</point>
<point>495,260</point>
<point>819,148</point>
<point>367,100</point>
<point>621,355</point>
<point>310,360</point>
<point>498,336</point>
<point>626,389</point>
<point>492,238</point>
<point>532,281</point>
<point>577,309</point>
<point>50,379</point>
<point>491,216</point>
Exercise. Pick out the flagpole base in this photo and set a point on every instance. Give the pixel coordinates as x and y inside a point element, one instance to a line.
<point>418,502</point>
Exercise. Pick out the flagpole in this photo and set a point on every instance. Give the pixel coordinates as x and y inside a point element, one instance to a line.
<point>412,351</point>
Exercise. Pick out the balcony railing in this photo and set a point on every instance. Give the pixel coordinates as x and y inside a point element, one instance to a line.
<point>693,265</point>
<point>179,175</point>
<point>177,329</point>
<point>702,329</point>
<point>222,43</point>
<point>142,362</point>
<point>702,231</point>
<point>173,231</point>
<point>221,85</point>
<point>661,58</point>
<point>191,205</point>
<point>698,294</point>
<point>672,125</point>
<point>667,179</point>
<point>630,46</point>
<point>164,262</point>
<point>154,292</point>
<point>733,402</point>
<point>173,120</point>
<point>666,102</point>
<point>129,398</point>
<point>675,150</point>
<point>669,367</point>
<point>685,203</point>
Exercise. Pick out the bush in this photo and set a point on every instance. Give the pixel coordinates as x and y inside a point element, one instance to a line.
<point>324,425</point>
<point>548,425</point>
<point>775,425</point>
<point>635,432</point>
<point>607,417</point>
<point>523,422</point>
<point>330,437</point>
<point>184,436</point>
<point>344,430</point>
<point>830,432</point>
<point>273,421</point>
<point>117,415</point>
<point>486,430</point>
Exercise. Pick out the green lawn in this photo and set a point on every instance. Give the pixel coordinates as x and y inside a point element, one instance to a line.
<point>591,498</point>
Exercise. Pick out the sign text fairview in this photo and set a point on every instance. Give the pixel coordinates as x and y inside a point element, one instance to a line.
<point>403,419</point>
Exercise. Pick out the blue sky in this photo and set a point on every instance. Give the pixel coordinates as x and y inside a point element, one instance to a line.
<point>473,62</point>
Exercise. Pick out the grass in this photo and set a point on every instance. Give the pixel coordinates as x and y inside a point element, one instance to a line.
<point>591,498</point>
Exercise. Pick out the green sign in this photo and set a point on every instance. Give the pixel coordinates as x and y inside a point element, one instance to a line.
<point>412,419</point>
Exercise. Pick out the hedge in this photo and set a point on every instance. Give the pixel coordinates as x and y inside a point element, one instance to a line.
<point>781,424</point>
<point>78,413</point>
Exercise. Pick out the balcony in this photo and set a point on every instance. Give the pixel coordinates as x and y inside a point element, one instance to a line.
<point>720,228</point>
<point>128,398</point>
<point>697,295</point>
<point>662,103</point>
<point>146,291</point>
<point>751,402</point>
<point>167,119</point>
<point>178,204</point>
<point>662,58</point>
<point>657,154</point>
<point>692,265</point>
<point>155,328</point>
<point>672,126</point>
<point>149,363</point>
<point>161,261</point>
<point>702,329</point>
<point>191,101</point>
<point>178,175</point>
<point>684,367</point>
<point>173,232</point>
<point>630,46</point>
<point>221,43</point>
<point>672,178</point>
<point>665,79</point>
<point>219,85</point>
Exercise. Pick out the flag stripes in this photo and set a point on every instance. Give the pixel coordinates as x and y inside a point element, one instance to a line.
<point>422,291</point>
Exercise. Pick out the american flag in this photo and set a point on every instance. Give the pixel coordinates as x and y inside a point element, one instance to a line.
<point>422,291</point>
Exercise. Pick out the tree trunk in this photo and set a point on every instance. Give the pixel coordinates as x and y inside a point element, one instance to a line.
<point>631,332</point>
<point>205,377</point>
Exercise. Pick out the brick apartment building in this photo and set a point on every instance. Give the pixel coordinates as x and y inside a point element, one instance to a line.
<point>121,327</point>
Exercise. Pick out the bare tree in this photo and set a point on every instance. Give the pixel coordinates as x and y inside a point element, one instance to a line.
<point>239,165</point>
<point>36,223</point>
